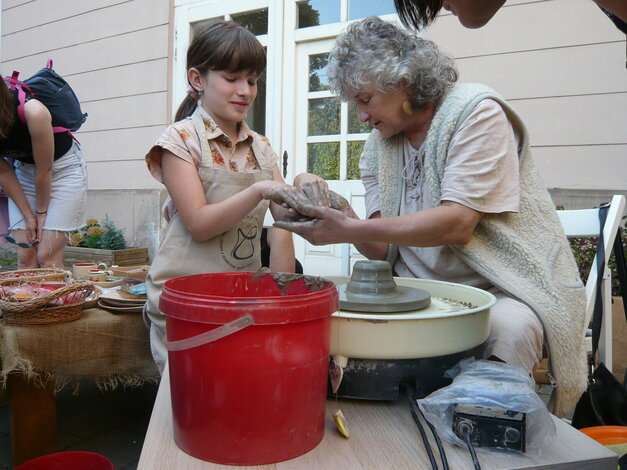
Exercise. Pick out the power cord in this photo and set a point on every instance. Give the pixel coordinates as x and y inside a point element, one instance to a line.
<point>415,410</point>
<point>471,449</point>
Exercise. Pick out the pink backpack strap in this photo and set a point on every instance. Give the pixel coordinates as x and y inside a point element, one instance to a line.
<point>15,84</point>
<point>58,129</point>
<point>21,97</point>
<point>13,81</point>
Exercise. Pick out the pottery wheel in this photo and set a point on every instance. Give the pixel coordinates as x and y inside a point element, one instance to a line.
<point>372,289</point>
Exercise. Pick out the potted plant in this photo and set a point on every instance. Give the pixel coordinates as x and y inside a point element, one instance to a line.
<point>102,242</point>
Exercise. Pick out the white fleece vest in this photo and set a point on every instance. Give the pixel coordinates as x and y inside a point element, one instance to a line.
<point>525,254</point>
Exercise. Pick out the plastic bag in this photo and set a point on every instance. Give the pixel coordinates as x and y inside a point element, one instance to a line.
<point>497,387</point>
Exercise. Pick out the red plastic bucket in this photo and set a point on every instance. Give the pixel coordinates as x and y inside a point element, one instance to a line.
<point>256,392</point>
<point>68,461</point>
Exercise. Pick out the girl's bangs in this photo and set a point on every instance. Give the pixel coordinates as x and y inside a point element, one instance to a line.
<point>246,53</point>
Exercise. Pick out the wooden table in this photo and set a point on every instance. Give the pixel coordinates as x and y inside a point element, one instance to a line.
<point>99,347</point>
<point>383,436</point>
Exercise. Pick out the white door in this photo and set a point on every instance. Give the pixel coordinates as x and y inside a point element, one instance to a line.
<point>262,18</point>
<point>328,143</point>
<point>322,135</point>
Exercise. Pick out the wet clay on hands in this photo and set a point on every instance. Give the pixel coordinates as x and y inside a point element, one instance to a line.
<point>305,201</point>
<point>292,198</point>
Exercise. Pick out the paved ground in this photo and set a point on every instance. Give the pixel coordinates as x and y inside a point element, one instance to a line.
<point>111,423</point>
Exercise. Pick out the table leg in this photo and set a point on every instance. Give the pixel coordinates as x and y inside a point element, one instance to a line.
<point>33,417</point>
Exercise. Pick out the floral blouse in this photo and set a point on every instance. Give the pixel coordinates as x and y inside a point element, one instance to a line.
<point>182,140</point>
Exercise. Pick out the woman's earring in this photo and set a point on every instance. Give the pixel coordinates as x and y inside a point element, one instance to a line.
<point>200,93</point>
<point>407,108</point>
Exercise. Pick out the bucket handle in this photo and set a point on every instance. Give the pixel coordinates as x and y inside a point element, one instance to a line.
<point>211,335</point>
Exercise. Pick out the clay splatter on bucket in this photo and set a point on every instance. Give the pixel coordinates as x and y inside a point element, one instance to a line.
<point>283,280</point>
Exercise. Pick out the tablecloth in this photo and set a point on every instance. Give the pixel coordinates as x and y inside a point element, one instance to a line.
<point>106,348</point>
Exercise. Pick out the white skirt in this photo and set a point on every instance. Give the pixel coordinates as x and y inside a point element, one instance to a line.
<point>68,192</point>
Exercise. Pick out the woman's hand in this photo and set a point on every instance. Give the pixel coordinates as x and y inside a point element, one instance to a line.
<point>33,233</point>
<point>40,223</point>
<point>329,226</point>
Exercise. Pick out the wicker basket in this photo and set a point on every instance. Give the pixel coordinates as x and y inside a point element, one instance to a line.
<point>33,275</point>
<point>39,311</point>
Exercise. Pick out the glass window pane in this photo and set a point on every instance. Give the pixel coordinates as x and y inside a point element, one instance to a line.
<point>363,8</point>
<point>323,159</point>
<point>355,126</point>
<point>254,21</point>
<point>318,79</point>
<point>316,12</point>
<point>256,118</point>
<point>324,116</point>
<point>201,24</point>
<point>354,150</point>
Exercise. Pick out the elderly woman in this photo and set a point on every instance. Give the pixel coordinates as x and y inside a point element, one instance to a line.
<point>452,194</point>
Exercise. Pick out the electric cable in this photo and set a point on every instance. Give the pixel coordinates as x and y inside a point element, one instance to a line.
<point>471,449</point>
<point>423,434</point>
<point>438,441</point>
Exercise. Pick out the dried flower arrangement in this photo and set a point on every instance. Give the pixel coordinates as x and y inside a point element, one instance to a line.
<point>105,235</point>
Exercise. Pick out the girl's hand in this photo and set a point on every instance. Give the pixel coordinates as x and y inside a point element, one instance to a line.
<point>286,196</point>
<point>309,178</point>
<point>31,229</point>
<point>40,223</point>
<point>316,189</point>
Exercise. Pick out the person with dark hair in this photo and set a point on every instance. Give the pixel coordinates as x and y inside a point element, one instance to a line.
<point>452,194</point>
<point>272,236</point>
<point>45,177</point>
<point>218,172</point>
<point>477,13</point>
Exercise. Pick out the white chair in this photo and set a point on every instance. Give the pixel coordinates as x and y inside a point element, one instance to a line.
<point>585,223</point>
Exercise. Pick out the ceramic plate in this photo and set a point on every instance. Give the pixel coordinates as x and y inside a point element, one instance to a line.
<point>120,303</point>
<point>115,309</point>
<point>114,298</point>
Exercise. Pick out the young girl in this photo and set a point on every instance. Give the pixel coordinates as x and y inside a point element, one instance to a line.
<point>217,171</point>
<point>46,182</point>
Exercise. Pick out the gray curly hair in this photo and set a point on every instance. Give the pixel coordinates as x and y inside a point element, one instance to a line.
<point>376,52</point>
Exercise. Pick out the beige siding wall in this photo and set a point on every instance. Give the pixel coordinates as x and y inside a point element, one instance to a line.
<point>561,64</point>
<point>115,54</point>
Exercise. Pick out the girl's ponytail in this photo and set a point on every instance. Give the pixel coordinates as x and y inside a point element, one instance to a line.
<point>186,108</point>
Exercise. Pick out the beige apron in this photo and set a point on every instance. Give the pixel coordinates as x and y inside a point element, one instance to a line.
<point>237,249</point>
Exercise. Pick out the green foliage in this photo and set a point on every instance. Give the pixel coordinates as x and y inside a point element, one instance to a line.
<point>113,238</point>
<point>584,250</point>
<point>354,152</point>
<point>8,260</point>
<point>324,160</point>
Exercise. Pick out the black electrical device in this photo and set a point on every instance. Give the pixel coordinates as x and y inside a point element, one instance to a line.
<point>490,426</point>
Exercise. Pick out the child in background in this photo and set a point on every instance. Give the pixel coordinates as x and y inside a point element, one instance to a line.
<point>45,176</point>
<point>218,172</point>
